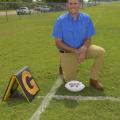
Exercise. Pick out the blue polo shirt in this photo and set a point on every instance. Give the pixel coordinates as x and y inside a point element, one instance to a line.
<point>73,32</point>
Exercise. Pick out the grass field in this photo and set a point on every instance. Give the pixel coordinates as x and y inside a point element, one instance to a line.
<point>28,41</point>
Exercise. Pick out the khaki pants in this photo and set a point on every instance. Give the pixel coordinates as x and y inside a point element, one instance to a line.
<point>69,62</point>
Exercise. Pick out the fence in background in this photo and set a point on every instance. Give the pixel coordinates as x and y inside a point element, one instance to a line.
<point>10,8</point>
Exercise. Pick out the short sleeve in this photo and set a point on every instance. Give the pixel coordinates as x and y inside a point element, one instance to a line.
<point>57,30</point>
<point>90,29</point>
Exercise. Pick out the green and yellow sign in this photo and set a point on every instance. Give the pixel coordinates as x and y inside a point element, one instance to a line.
<point>22,82</point>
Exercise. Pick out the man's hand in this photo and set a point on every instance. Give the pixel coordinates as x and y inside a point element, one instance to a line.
<point>82,54</point>
<point>81,51</point>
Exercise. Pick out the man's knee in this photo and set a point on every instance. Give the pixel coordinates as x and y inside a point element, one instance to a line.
<point>100,52</point>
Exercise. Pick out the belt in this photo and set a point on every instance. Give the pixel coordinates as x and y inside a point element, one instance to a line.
<point>62,51</point>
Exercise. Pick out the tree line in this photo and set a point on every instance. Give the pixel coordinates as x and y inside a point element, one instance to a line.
<point>11,5</point>
<point>14,4</point>
<point>32,1</point>
<point>15,0</point>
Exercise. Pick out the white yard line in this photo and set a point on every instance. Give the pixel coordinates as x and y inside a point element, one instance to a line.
<point>63,97</point>
<point>79,97</point>
<point>46,100</point>
<point>51,95</point>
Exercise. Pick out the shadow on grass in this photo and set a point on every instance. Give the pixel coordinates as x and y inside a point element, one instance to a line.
<point>72,104</point>
<point>88,91</point>
<point>15,99</point>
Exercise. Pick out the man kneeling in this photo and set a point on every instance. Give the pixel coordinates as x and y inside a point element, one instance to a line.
<point>72,32</point>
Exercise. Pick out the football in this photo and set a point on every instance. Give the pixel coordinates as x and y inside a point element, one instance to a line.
<point>74,86</point>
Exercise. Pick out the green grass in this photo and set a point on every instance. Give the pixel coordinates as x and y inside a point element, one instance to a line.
<point>82,110</point>
<point>27,40</point>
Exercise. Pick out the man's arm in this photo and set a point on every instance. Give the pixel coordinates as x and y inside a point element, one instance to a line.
<point>86,44</point>
<point>65,47</point>
<point>81,51</point>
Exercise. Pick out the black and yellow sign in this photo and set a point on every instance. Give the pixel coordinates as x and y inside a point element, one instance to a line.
<point>22,82</point>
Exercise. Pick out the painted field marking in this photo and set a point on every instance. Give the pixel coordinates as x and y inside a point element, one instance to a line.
<point>46,100</point>
<point>83,98</point>
<point>51,95</point>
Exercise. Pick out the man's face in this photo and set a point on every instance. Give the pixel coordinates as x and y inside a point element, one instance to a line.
<point>73,6</point>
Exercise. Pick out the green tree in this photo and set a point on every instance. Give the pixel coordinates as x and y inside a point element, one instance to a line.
<point>27,0</point>
<point>15,0</point>
<point>59,1</point>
